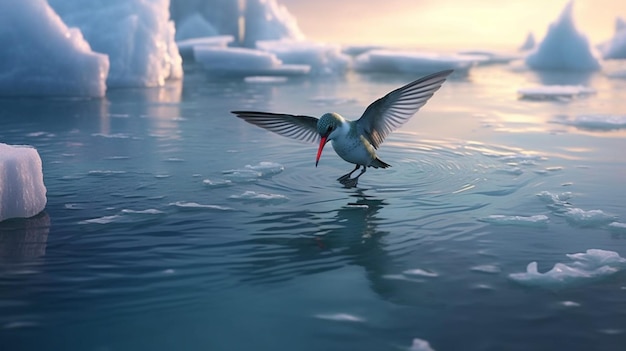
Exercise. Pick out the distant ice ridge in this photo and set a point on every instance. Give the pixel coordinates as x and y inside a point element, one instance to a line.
<point>563,48</point>
<point>137,35</point>
<point>616,47</point>
<point>391,61</point>
<point>554,92</point>
<point>597,122</point>
<point>43,57</point>
<point>22,191</point>
<point>242,62</point>
<point>593,264</point>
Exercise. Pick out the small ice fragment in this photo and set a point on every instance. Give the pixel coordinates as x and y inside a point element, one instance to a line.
<point>589,218</point>
<point>536,220</point>
<point>420,345</point>
<point>168,271</point>
<point>569,304</point>
<point>340,317</point>
<point>254,196</point>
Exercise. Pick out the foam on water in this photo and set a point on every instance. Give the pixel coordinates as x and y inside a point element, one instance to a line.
<point>532,221</point>
<point>596,122</point>
<point>420,272</point>
<point>260,197</point>
<point>196,206</point>
<point>126,216</point>
<point>590,265</point>
<point>251,173</point>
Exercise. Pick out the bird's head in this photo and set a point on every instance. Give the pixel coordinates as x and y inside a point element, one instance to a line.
<point>327,127</point>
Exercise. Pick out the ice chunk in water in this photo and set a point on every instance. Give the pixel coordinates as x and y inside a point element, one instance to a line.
<point>226,61</point>
<point>420,345</point>
<point>589,218</point>
<point>554,92</point>
<point>411,62</point>
<point>597,122</point>
<point>536,220</point>
<point>593,264</point>
<point>22,191</point>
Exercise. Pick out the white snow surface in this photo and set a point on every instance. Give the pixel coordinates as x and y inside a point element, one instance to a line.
<point>137,35</point>
<point>22,191</point>
<point>563,47</point>
<point>592,264</point>
<point>43,57</point>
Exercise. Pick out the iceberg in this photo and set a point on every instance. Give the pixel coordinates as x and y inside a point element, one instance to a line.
<point>616,47</point>
<point>194,26</point>
<point>43,57</point>
<point>22,191</point>
<point>590,265</point>
<point>529,43</point>
<point>563,47</point>
<point>137,35</point>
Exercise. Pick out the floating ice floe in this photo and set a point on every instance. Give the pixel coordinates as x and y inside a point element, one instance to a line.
<point>241,62</point>
<point>420,345</point>
<point>617,226</point>
<point>43,57</point>
<point>555,199</point>
<point>563,47</point>
<point>486,268</point>
<point>591,218</point>
<point>554,92</point>
<point>597,122</point>
<point>525,221</point>
<point>593,264</point>
<point>324,59</point>
<point>420,272</point>
<point>616,47</point>
<point>22,190</point>
<point>389,61</point>
<point>186,46</point>
<point>137,36</point>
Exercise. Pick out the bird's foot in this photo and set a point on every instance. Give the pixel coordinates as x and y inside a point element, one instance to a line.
<point>350,182</point>
<point>344,177</point>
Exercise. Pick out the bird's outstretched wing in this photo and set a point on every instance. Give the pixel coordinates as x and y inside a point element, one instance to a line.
<point>297,127</point>
<point>394,109</point>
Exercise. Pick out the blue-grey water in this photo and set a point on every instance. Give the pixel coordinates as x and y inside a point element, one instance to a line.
<point>172,225</point>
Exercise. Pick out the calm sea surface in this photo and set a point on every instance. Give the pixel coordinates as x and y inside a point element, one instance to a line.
<point>172,225</point>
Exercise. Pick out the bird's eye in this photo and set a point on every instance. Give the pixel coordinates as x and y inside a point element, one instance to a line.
<point>330,128</point>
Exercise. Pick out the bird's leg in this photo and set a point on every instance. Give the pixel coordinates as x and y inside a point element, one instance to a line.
<point>347,176</point>
<point>352,182</point>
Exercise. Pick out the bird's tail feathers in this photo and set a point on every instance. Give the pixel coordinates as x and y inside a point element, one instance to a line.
<point>378,163</point>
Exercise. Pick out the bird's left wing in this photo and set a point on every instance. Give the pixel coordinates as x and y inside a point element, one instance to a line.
<point>297,127</point>
<point>394,109</point>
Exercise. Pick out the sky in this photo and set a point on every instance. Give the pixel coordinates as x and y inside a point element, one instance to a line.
<point>454,24</point>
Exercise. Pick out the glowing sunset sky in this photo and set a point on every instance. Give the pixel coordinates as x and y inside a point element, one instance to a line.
<point>447,23</point>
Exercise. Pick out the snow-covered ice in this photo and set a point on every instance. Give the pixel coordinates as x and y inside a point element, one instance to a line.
<point>22,190</point>
<point>137,35</point>
<point>322,58</point>
<point>554,92</point>
<point>615,48</point>
<point>244,62</point>
<point>391,61</point>
<point>186,46</point>
<point>43,57</point>
<point>592,264</point>
<point>563,47</point>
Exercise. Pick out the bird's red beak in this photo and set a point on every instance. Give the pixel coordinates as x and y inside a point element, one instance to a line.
<point>319,150</point>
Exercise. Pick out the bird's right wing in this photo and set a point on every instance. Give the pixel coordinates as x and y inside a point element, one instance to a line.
<point>297,127</point>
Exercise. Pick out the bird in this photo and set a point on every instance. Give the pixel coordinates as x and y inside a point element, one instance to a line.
<point>354,141</point>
